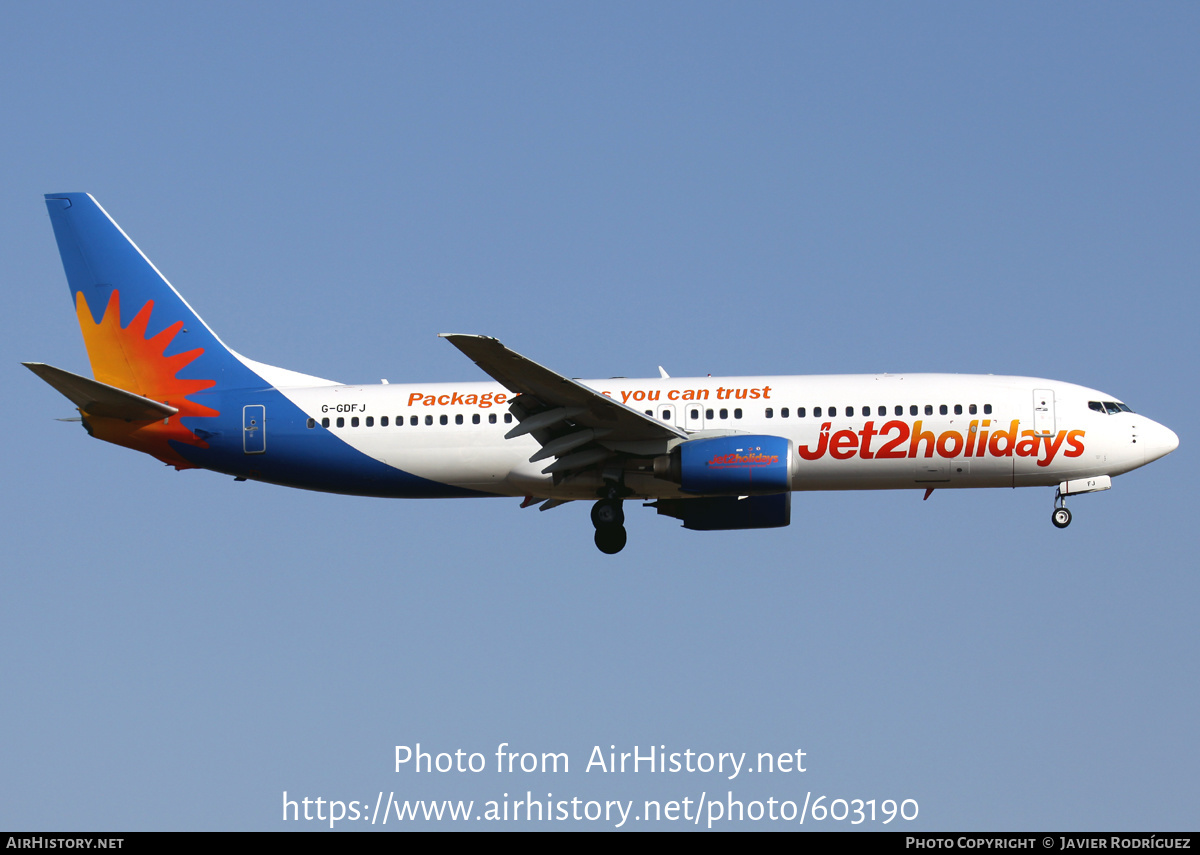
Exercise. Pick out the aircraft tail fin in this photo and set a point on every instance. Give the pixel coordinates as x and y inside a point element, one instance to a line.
<point>162,377</point>
<point>141,335</point>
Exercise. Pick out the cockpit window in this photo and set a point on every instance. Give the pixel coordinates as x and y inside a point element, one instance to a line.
<point>1108,407</point>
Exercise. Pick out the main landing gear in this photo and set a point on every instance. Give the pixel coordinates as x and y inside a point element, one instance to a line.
<point>609,519</point>
<point>1061,517</point>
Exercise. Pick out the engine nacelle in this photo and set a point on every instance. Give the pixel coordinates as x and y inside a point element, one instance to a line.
<point>735,465</point>
<point>724,513</point>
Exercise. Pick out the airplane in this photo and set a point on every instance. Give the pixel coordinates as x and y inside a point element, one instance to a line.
<point>717,453</point>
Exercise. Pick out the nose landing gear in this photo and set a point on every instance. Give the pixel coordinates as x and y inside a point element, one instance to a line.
<point>609,519</point>
<point>1061,517</point>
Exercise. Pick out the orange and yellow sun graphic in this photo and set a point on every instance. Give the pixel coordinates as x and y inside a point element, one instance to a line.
<point>127,359</point>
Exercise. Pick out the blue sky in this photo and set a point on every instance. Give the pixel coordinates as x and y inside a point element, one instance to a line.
<point>715,188</point>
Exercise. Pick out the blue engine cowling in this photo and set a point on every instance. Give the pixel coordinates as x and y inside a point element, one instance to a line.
<point>737,465</point>
<point>724,513</point>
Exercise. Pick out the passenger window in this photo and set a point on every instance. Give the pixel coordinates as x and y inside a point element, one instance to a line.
<point>973,409</point>
<point>769,413</point>
<point>325,422</point>
<point>429,420</point>
<point>899,409</point>
<point>708,414</point>
<point>370,421</point>
<point>444,419</point>
<point>354,421</point>
<point>737,414</point>
<point>929,409</point>
<point>912,410</point>
<point>724,414</point>
<point>695,414</point>
<point>958,409</point>
<point>341,422</point>
<point>413,421</point>
<point>783,413</point>
<point>987,409</point>
<point>458,419</point>
<point>832,412</point>
<point>508,418</point>
<point>799,412</point>
<point>383,421</point>
<point>882,410</point>
<point>816,412</point>
<point>943,410</point>
<point>491,418</point>
<point>312,423</point>
<point>475,419</point>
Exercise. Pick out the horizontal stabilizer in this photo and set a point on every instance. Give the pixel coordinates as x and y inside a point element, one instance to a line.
<point>100,399</point>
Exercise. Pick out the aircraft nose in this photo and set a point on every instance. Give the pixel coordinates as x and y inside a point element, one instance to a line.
<point>1158,441</point>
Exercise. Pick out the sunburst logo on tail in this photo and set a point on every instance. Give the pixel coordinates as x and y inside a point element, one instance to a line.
<point>127,359</point>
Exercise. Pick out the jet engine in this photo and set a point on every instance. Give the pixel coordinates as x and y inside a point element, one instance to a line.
<point>734,465</point>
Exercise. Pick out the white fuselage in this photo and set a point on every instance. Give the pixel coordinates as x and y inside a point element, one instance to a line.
<point>848,432</point>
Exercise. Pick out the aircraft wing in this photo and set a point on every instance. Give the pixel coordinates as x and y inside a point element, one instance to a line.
<point>100,399</point>
<point>572,422</point>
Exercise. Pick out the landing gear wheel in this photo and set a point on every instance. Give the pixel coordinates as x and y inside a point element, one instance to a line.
<point>607,513</point>
<point>611,539</point>
<point>1061,518</point>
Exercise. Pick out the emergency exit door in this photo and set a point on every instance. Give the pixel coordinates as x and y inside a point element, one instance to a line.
<point>254,429</point>
<point>1043,412</point>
